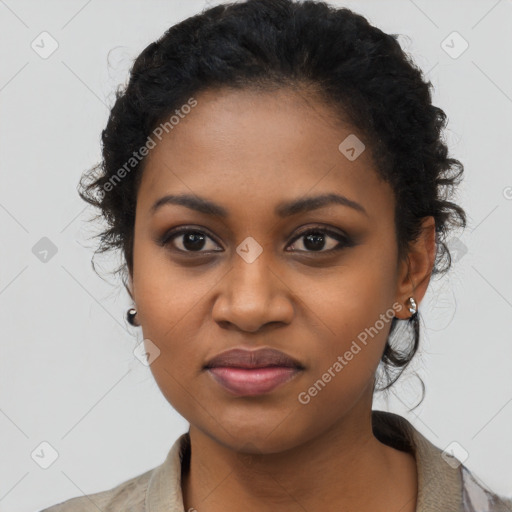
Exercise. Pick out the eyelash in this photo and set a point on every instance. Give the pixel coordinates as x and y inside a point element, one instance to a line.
<point>343,240</point>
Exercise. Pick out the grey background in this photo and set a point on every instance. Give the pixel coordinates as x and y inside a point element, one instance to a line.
<point>68,375</point>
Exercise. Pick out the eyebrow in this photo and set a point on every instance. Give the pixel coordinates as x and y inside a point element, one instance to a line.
<point>284,209</point>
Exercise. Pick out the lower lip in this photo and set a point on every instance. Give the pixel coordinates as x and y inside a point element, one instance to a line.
<point>252,381</point>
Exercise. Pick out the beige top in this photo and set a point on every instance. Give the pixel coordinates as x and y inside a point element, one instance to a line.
<point>444,485</point>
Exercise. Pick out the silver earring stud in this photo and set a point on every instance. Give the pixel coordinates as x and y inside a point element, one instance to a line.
<point>130,317</point>
<point>413,308</point>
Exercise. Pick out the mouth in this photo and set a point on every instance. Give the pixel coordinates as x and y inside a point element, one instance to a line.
<point>252,381</point>
<point>245,372</point>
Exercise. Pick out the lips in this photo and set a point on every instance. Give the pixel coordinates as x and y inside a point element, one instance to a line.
<point>245,372</point>
<point>260,358</point>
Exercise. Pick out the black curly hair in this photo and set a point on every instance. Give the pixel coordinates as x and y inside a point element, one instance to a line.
<point>361,72</point>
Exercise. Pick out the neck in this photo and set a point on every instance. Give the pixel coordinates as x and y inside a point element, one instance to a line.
<point>343,468</point>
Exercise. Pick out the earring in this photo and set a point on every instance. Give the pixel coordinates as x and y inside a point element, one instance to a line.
<point>130,316</point>
<point>413,308</point>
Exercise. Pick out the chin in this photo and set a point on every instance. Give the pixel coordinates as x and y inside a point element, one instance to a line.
<point>262,435</point>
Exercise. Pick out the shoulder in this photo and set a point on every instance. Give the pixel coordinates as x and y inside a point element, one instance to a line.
<point>444,482</point>
<point>155,490</point>
<point>476,497</point>
<point>128,496</point>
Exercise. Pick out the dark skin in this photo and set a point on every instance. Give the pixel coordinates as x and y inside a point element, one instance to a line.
<point>249,151</point>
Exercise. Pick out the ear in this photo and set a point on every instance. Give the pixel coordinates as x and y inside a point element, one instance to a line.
<point>415,271</point>
<point>129,286</point>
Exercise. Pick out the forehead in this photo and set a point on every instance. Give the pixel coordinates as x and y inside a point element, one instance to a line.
<point>240,145</point>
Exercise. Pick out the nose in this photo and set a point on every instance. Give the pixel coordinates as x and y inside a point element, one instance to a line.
<point>252,295</point>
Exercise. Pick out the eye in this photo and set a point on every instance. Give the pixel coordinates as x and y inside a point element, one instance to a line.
<point>189,240</point>
<point>314,240</point>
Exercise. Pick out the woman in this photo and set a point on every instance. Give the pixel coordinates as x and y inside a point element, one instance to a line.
<point>275,176</point>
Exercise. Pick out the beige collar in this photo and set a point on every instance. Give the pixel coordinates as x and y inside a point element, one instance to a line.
<point>439,484</point>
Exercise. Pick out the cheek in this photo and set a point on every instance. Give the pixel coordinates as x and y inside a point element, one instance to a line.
<point>352,297</point>
<point>172,321</point>
<point>356,309</point>
<point>165,292</point>
<point>171,305</point>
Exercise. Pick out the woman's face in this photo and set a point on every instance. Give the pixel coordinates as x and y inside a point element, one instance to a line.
<point>251,278</point>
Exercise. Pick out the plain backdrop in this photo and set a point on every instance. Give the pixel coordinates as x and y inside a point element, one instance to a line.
<point>68,375</point>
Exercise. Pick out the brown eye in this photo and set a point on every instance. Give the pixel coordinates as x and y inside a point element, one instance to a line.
<point>318,239</point>
<point>189,240</point>
<point>314,240</point>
